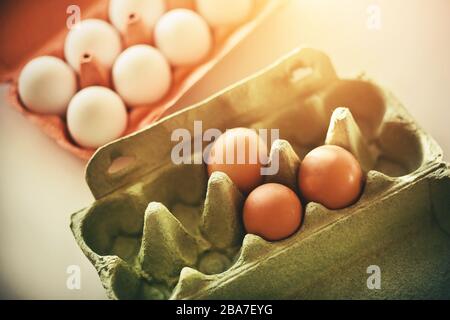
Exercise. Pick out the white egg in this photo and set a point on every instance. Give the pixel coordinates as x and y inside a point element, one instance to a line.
<point>224,12</point>
<point>183,37</point>
<point>96,116</point>
<point>46,85</point>
<point>141,75</point>
<point>148,10</point>
<point>95,37</point>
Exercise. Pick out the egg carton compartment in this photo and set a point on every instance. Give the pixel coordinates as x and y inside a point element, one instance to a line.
<point>225,39</point>
<point>163,231</point>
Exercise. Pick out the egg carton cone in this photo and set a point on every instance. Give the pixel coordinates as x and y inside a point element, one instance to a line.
<point>225,39</point>
<point>163,231</point>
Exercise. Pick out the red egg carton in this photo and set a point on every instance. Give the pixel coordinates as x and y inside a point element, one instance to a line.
<point>29,29</point>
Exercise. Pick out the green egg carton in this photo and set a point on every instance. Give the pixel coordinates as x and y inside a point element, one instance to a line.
<point>158,230</point>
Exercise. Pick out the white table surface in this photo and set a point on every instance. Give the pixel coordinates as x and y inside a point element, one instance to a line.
<point>41,184</point>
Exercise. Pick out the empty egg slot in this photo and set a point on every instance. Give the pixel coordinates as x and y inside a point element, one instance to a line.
<point>153,291</point>
<point>127,282</point>
<point>114,227</point>
<point>214,262</point>
<point>178,187</point>
<point>401,149</point>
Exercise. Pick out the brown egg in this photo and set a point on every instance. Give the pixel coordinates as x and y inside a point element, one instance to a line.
<point>244,171</point>
<point>331,176</point>
<point>273,212</point>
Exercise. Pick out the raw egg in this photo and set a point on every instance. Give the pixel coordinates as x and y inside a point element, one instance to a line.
<point>141,75</point>
<point>94,37</point>
<point>331,176</point>
<point>272,211</point>
<point>183,37</point>
<point>46,85</point>
<point>148,10</point>
<point>238,153</point>
<point>96,116</point>
<point>224,12</point>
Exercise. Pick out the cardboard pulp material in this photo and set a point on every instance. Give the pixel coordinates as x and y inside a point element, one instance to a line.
<point>163,231</point>
<point>27,35</point>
